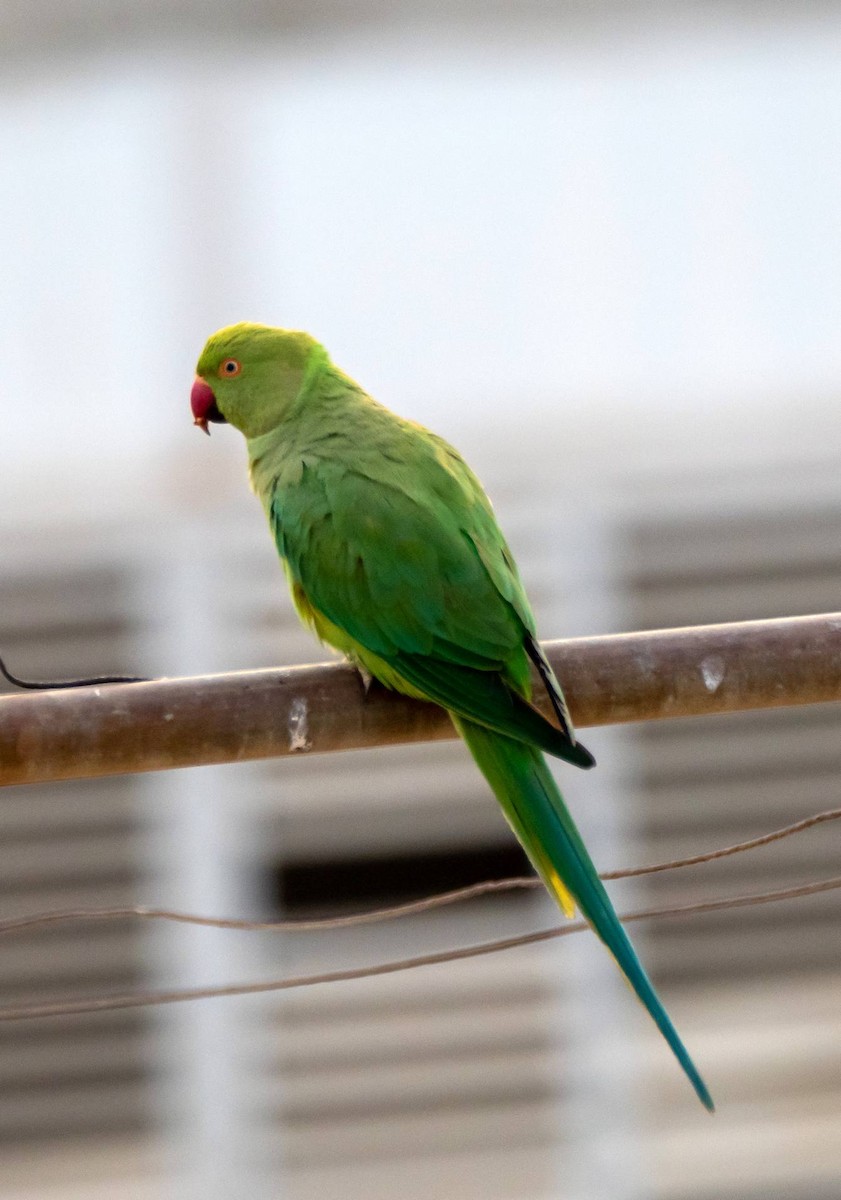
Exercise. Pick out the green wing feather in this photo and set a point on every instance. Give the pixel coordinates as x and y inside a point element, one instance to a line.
<point>422,580</point>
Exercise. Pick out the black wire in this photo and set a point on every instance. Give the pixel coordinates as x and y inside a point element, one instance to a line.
<point>96,681</point>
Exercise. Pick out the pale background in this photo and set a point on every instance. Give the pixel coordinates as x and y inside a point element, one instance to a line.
<point>599,247</point>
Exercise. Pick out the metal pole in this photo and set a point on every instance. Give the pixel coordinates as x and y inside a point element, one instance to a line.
<point>166,723</point>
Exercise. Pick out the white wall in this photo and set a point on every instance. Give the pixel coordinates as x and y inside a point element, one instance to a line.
<point>629,224</point>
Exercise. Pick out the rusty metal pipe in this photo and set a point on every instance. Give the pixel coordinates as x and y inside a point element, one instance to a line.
<point>166,723</point>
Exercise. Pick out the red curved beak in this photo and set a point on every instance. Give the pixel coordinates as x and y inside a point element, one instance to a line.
<point>203,404</point>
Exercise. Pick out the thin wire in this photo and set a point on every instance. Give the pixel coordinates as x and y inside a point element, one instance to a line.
<point>442,900</point>
<point>777,835</point>
<point>118,1000</point>
<point>58,684</point>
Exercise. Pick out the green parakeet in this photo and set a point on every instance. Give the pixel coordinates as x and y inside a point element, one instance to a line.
<point>394,557</point>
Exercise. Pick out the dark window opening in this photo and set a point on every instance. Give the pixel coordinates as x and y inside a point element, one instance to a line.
<point>393,879</point>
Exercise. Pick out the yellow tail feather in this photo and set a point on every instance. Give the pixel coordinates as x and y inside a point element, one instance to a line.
<point>561,894</point>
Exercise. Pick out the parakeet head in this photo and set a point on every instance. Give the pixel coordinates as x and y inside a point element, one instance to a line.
<point>250,375</point>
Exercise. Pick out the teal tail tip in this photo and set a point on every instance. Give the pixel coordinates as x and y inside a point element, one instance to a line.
<point>704,1096</point>
<point>681,1053</point>
<point>701,1090</point>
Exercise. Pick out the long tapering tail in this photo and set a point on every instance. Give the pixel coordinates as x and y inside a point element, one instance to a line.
<point>530,799</point>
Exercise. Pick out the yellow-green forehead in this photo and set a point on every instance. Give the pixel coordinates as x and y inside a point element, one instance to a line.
<point>254,343</point>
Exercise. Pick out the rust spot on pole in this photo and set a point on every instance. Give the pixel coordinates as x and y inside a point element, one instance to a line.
<point>166,723</point>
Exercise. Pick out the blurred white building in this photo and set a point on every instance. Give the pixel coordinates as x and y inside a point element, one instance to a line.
<point>600,249</point>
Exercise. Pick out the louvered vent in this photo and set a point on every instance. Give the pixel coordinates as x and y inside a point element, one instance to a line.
<point>68,1082</point>
<point>756,981</point>
<point>448,1079</point>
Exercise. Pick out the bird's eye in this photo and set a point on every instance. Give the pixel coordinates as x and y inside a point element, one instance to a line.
<point>230,367</point>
